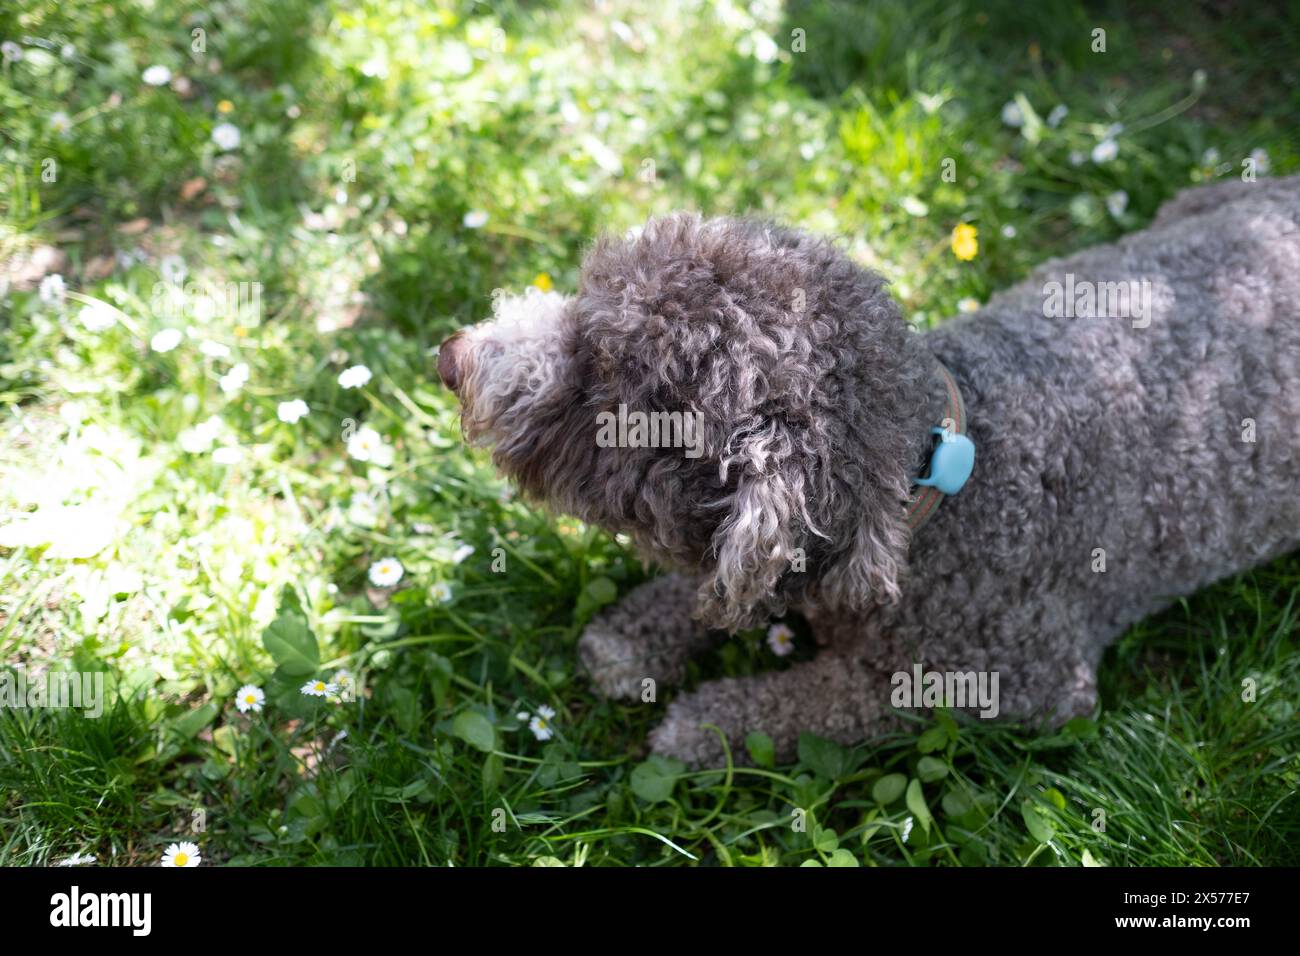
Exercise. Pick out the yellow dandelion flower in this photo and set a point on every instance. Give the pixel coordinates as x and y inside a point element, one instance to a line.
<point>225,106</point>
<point>965,244</point>
<point>542,281</point>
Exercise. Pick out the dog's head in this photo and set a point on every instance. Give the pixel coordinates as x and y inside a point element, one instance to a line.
<point>735,396</point>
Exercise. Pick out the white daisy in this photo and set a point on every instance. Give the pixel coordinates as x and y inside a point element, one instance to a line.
<point>157,75</point>
<point>1011,114</point>
<point>235,379</point>
<point>318,688</point>
<point>249,698</point>
<point>228,455</point>
<point>52,289</point>
<point>181,854</point>
<point>968,305</point>
<point>1210,157</point>
<point>1262,162</point>
<point>474,219</point>
<point>461,553</point>
<point>77,859</point>
<point>1117,202</point>
<point>354,377</point>
<point>60,123</point>
<point>540,725</point>
<point>385,572</point>
<point>97,317</point>
<point>440,592</point>
<point>214,349</point>
<point>226,136</point>
<point>781,639</point>
<point>199,438</point>
<point>1009,231</point>
<point>166,340</point>
<point>1105,151</point>
<point>366,444</point>
<point>523,716</point>
<point>1077,157</point>
<point>290,412</point>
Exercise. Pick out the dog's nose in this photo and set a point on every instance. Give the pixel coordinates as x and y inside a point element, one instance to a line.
<point>449,360</point>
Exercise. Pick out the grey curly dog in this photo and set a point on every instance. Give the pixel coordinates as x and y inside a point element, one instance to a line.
<point>1134,410</point>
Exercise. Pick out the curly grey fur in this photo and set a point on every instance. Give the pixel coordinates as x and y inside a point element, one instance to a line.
<point>817,399</point>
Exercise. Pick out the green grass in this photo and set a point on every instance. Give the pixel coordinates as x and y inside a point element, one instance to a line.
<point>368,132</point>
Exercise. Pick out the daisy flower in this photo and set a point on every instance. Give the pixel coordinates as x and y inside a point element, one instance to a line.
<point>97,317</point>
<point>965,241</point>
<point>440,592</point>
<point>540,725</point>
<point>1262,162</point>
<point>235,379</point>
<point>181,854</point>
<point>199,438</point>
<point>60,123</point>
<point>290,412</point>
<point>968,304</point>
<point>1117,202</point>
<point>368,445</point>
<point>385,572</point>
<point>214,349</point>
<point>1105,151</point>
<point>228,455</point>
<point>354,377</point>
<point>1011,115</point>
<point>226,136</point>
<point>157,75</point>
<point>318,688</point>
<point>781,639</point>
<point>474,219</point>
<point>249,698</point>
<point>166,340</point>
<point>52,289</point>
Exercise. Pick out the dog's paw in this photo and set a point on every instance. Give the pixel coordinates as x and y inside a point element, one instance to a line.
<point>682,734</point>
<point>612,662</point>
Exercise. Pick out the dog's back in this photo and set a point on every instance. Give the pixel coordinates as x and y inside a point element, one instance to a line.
<point>1137,412</point>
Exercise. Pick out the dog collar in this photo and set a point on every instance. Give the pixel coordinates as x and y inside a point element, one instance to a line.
<point>950,462</point>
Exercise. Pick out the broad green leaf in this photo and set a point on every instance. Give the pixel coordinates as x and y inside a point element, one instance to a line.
<point>1039,826</point>
<point>930,769</point>
<point>916,803</point>
<point>654,779</point>
<point>825,839</point>
<point>956,804</point>
<point>889,788</point>
<point>292,645</point>
<point>936,738</point>
<point>842,858</point>
<point>761,749</point>
<point>825,757</point>
<point>475,729</point>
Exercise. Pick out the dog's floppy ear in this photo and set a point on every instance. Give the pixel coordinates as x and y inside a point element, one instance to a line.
<point>761,539</point>
<point>786,535</point>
